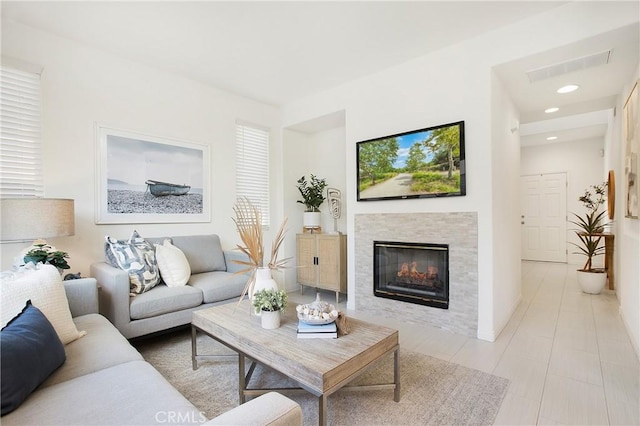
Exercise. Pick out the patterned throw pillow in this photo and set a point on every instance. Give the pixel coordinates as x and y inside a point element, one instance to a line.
<point>138,258</point>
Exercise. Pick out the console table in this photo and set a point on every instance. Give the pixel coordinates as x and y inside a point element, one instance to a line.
<point>608,257</point>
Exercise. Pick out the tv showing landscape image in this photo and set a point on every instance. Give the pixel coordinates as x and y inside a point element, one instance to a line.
<point>422,163</point>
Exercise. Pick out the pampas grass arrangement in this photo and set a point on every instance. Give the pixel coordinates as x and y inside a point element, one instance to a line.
<point>248,222</point>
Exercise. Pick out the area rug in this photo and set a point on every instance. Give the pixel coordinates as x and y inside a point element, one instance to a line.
<point>433,392</point>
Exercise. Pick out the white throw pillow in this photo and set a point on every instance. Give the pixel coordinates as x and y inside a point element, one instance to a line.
<point>173,264</point>
<point>45,289</point>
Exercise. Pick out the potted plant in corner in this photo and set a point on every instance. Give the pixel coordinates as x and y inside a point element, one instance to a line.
<point>270,302</point>
<point>312,192</point>
<point>589,232</point>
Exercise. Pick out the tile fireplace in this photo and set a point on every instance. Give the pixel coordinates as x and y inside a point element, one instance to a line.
<point>458,231</point>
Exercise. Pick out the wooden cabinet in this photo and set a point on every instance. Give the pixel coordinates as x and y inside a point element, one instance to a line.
<point>322,261</point>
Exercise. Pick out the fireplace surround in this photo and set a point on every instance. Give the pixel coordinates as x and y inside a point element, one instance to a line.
<point>458,230</point>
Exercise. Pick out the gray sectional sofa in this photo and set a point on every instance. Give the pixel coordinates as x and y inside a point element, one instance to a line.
<point>213,281</point>
<point>105,381</point>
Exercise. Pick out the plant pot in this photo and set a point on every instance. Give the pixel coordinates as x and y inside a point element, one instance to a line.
<point>592,282</point>
<point>270,319</point>
<point>311,220</point>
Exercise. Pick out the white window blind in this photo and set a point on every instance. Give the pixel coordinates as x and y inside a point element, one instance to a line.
<point>20,144</point>
<point>252,167</point>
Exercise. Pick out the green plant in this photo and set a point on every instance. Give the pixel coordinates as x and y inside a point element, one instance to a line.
<point>270,300</point>
<point>312,192</point>
<point>590,226</point>
<point>43,253</point>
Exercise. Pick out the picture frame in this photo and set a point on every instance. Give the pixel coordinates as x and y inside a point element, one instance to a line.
<point>631,135</point>
<point>424,163</point>
<point>149,179</point>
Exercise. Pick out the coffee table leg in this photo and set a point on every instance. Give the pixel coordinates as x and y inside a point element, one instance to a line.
<point>322,410</point>
<point>194,364</point>
<point>241,380</point>
<point>396,375</point>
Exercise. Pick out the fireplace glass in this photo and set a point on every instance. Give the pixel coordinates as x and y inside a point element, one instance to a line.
<point>412,272</point>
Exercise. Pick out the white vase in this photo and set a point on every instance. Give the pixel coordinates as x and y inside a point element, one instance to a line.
<point>263,281</point>
<point>270,319</point>
<point>592,282</point>
<point>311,219</point>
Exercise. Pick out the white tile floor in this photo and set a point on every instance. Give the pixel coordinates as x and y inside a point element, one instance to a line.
<point>566,353</point>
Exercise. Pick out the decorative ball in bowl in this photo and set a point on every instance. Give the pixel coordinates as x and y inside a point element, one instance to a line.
<point>317,313</point>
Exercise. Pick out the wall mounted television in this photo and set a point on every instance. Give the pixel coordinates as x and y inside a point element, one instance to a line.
<point>423,163</point>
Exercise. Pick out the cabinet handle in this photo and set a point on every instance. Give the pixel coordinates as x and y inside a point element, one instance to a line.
<point>315,260</point>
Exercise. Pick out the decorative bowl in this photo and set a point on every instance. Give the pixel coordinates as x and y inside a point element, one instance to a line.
<point>317,313</point>
<point>310,321</point>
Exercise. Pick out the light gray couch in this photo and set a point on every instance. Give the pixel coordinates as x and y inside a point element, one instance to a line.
<point>213,281</point>
<point>105,381</point>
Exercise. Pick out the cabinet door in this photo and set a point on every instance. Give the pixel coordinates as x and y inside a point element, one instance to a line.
<point>329,262</point>
<point>305,254</point>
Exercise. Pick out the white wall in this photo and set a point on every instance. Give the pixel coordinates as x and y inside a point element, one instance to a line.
<point>626,230</point>
<point>81,86</point>
<point>449,85</point>
<point>584,166</point>
<point>505,151</point>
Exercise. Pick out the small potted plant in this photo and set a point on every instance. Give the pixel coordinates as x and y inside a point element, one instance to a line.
<point>41,252</point>
<point>270,303</point>
<point>312,192</point>
<point>589,232</point>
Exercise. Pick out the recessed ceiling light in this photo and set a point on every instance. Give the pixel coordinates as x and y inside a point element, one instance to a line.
<point>550,110</point>
<point>552,138</point>
<point>568,88</point>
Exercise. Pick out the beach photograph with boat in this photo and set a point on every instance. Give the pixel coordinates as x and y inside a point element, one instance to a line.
<point>153,179</point>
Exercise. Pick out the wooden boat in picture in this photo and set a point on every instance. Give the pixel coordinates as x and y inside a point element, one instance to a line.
<point>160,189</point>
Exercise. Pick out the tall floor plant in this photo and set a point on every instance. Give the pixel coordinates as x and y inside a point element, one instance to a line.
<point>591,225</point>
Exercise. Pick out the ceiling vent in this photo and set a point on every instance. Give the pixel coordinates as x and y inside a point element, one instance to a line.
<point>572,65</point>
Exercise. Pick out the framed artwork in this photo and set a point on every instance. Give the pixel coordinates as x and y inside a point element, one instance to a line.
<point>148,179</point>
<point>631,133</point>
<point>423,163</point>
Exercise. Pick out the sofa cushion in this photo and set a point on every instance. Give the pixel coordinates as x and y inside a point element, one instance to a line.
<point>203,252</point>
<point>101,348</point>
<point>133,393</point>
<point>163,299</point>
<point>217,286</point>
<point>136,256</point>
<point>45,289</point>
<point>30,351</point>
<point>174,266</point>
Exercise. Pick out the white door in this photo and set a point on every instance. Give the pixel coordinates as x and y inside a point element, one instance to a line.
<point>544,217</point>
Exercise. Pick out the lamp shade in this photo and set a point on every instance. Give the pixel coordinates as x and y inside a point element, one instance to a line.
<point>32,218</point>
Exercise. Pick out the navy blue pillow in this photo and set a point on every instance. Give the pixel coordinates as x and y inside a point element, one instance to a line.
<point>30,351</point>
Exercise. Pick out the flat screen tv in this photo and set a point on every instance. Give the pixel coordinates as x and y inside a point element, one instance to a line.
<point>421,163</point>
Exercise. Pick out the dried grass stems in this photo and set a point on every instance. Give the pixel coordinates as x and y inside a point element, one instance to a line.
<point>248,222</point>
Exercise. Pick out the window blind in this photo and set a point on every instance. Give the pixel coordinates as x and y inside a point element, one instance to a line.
<point>20,134</point>
<point>252,167</point>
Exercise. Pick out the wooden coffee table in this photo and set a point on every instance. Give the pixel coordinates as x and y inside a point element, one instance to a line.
<point>319,366</point>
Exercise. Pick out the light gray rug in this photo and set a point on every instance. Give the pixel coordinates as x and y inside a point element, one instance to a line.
<point>433,392</point>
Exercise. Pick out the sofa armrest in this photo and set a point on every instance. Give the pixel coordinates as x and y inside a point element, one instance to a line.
<point>272,409</point>
<point>82,295</point>
<point>230,256</point>
<point>114,293</point>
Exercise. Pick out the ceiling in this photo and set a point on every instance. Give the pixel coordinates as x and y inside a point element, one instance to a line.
<point>276,52</point>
